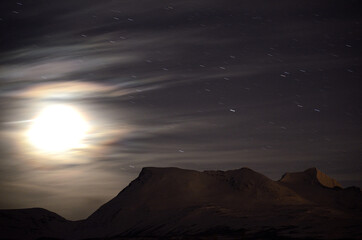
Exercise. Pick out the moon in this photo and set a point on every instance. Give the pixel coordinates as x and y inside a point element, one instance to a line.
<point>58,128</point>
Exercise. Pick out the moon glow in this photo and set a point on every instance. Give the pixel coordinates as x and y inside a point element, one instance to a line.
<point>58,128</point>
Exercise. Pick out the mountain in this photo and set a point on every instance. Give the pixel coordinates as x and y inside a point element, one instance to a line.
<point>173,202</point>
<point>32,223</point>
<point>194,201</point>
<point>317,187</point>
<point>311,176</point>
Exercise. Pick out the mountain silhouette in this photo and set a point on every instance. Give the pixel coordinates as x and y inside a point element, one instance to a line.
<point>175,203</point>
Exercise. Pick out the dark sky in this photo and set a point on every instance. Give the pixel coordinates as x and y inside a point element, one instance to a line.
<point>271,85</point>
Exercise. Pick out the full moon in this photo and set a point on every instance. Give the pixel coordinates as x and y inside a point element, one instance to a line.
<point>58,128</point>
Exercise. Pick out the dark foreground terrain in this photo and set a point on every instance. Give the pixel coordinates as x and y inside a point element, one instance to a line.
<point>172,203</point>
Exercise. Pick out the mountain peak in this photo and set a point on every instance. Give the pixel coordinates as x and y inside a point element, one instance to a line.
<point>310,176</point>
<point>311,169</point>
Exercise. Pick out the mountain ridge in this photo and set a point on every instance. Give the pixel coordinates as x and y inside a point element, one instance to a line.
<point>169,202</point>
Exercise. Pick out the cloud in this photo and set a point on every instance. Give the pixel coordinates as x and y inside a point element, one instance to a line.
<point>62,90</point>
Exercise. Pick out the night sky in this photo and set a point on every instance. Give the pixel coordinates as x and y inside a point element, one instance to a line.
<point>270,85</point>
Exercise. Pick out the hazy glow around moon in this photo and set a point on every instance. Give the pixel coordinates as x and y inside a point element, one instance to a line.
<point>58,128</point>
